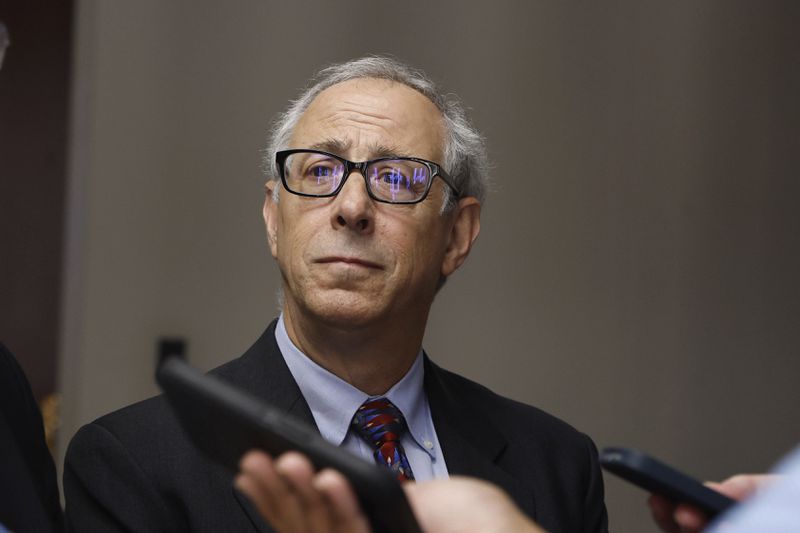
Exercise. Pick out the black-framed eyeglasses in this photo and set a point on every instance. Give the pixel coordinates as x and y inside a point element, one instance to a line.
<point>394,180</point>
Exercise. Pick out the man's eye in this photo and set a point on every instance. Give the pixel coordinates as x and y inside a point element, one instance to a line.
<point>393,177</point>
<point>415,179</point>
<point>322,171</point>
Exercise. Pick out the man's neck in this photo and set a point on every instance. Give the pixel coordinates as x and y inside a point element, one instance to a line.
<point>371,358</point>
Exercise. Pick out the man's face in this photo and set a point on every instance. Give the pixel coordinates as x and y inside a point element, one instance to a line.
<point>347,260</point>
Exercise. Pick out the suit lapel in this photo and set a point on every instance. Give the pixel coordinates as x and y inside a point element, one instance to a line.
<point>471,443</point>
<point>262,372</point>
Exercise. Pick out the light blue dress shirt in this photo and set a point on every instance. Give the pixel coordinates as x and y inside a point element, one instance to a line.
<point>333,403</point>
<point>775,510</point>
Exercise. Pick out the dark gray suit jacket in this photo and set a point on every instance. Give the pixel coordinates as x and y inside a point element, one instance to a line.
<point>28,484</point>
<point>135,469</point>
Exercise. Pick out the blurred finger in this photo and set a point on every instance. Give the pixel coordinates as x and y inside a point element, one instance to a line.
<point>663,511</point>
<point>343,504</point>
<point>254,468</point>
<point>690,519</point>
<point>298,472</point>
<point>742,486</point>
<point>274,496</point>
<point>255,493</point>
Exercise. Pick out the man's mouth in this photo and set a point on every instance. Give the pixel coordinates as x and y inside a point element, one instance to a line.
<point>357,261</point>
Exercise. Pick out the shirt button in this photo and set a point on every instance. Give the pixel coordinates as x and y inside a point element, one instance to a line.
<point>428,444</point>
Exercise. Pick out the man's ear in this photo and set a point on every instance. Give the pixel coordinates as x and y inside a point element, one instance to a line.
<point>465,229</point>
<point>271,216</point>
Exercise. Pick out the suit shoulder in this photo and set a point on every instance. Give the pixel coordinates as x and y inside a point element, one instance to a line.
<point>145,434</point>
<point>513,418</point>
<point>154,415</point>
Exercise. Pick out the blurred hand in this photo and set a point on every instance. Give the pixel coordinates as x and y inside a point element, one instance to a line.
<point>466,505</point>
<point>684,518</point>
<point>292,498</point>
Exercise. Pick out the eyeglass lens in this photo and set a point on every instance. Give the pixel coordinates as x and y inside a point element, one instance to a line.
<point>393,180</point>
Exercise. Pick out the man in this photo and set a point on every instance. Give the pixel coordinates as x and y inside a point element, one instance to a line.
<point>364,234</point>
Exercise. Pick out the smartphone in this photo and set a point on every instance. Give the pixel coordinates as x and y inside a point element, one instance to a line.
<point>656,477</point>
<point>225,422</point>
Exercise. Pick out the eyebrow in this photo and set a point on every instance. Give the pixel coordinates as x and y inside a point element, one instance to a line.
<point>376,150</point>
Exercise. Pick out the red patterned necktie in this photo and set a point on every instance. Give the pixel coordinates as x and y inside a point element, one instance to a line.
<point>382,424</point>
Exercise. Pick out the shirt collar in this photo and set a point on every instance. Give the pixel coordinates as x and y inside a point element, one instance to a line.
<point>333,401</point>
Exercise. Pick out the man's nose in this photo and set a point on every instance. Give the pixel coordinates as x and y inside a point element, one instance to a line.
<point>353,208</point>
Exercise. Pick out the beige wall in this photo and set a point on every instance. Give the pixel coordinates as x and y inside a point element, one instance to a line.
<point>636,274</point>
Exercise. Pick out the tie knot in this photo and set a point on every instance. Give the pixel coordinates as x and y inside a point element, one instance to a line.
<point>379,421</point>
<point>382,424</point>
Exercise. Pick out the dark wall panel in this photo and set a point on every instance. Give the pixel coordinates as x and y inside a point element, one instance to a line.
<point>34,83</point>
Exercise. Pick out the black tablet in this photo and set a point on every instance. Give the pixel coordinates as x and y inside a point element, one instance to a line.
<point>225,422</point>
<point>654,476</point>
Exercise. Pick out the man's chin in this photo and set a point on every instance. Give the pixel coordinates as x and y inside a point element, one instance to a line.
<point>345,309</point>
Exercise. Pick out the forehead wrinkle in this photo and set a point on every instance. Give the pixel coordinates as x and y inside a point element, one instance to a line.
<point>345,135</point>
<point>362,107</point>
<point>380,140</point>
<point>333,145</point>
<point>366,120</point>
<point>373,122</point>
<point>369,100</point>
<point>334,121</point>
<point>366,109</point>
<point>374,149</point>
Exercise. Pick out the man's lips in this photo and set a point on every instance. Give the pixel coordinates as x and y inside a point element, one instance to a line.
<point>350,261</point>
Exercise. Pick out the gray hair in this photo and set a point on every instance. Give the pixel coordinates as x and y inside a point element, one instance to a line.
<point>465,157</point>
